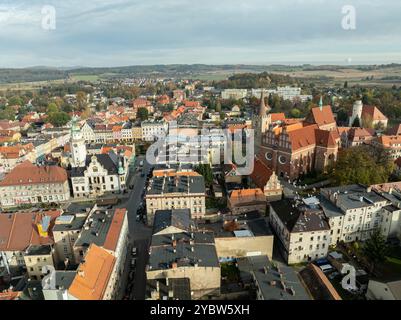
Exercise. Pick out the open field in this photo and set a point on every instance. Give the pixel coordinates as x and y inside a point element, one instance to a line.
<point>385,76</point>
<point>85,77</point>
<point>29,85</point>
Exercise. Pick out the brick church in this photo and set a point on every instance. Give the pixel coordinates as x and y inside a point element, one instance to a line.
<point>295,147</point>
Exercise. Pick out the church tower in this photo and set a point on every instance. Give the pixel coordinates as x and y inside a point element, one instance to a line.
<point>261,121</point>
<point>78,147</point>
<point>357,109</point>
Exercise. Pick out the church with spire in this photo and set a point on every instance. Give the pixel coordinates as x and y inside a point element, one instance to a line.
<point>295,147</point>
<point>261,121</point>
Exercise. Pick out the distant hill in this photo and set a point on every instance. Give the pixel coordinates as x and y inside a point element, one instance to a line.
<point>41,73</point>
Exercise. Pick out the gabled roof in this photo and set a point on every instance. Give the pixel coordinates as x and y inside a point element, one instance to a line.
<point>326,138</point>
<point>372,112</point>
<point>115,229</point>
<point>93,275</point>
<point>27,173</point>
<point>244,196</point>
<point>277,117</point>
<point>388,141</point>
<point>303,137</point>
<point>261,173</point>
<point>321,117</point>
<point>19,230</point>
<point>356,133</point>
<point>178,218</point>
<point>297,218</point>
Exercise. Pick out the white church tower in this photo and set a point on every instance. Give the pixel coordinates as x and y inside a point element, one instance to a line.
<point>78,147</point>
<point>356,113</point>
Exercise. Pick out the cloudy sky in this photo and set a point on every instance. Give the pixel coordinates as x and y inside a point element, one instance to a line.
<point>131,32</point>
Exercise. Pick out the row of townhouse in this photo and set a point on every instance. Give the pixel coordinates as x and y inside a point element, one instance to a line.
<point>102,133</point>
<point>307,227</point>
<point>30,149</point>
<point>95,241</point>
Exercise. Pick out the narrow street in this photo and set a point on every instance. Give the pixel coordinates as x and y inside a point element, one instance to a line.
<point>139,233</point>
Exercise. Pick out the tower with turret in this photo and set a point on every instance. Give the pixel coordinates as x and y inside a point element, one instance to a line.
<point>78,147</point>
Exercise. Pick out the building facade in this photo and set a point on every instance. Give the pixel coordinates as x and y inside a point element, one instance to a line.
<point>31,184</point>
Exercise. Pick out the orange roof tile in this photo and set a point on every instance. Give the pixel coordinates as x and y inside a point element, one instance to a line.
<point>302,137</point>
<point>389,141</point>
<point>19,230</point>
<point>27,173</point>
<point>321,117</point>
<point>277,117</point>
<point>373,113</point>
<point>247,196</point>
<point>93,275</point>
<point>115,229</point>
<point>261,173</point>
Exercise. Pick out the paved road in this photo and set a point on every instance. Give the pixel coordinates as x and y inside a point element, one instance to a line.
<point>139,233</point>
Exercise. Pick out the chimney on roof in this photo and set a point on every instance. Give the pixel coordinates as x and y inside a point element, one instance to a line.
<point>81,273</point>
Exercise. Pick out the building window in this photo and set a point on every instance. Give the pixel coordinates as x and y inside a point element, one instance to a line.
<point>282,159</point>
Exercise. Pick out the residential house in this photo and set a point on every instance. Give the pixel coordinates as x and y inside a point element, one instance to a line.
<point>303,231</point>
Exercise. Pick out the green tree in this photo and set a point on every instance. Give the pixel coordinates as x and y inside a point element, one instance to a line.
<point>206,171</point>
<point>15,101</point>
<point>143,114</point>
<point>7,113</point>
<point>356,123</point>
<point>81,100</point>
<point>362,165</point>
<point>52,107</point>
<point>295,113</point>
<point>59,119</point>
<point>218,106</point>
<point>375,249</point>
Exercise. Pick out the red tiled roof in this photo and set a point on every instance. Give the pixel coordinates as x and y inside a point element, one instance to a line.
<point>93,275</point>
<point>321,117</point>
<point>27,173</point>
<point>19,230</point>
<point>303,137</point>
<point>372,112</point>
<point>261,173</point>
<point>246,196</point>
<point>277,117</point>
<point>326,138</point>
<point>115,229</point>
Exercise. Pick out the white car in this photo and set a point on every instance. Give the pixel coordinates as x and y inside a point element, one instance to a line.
<point>134,251</point>
<point>133,262</point>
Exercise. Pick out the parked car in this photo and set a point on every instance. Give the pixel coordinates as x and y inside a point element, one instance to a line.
<point>133,262</point>
<point>133,251</point>
<point>326,268</point>
<point>322,261</point>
